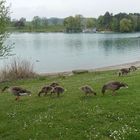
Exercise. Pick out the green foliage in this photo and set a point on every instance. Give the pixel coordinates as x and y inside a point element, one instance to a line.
<point>4,21</point>
<point>44,22</point>
<point>126,25</point>
<point>72,116</point>
<point>138,23</point>
<point>100,23</point>
<point>110,22</point>
<point>134,20</point>
<point>104,22</point>
<point>73,24</point>
<point>19,23</point>
<point>36,22</point>
<point>90,22</point>
<point>107,20</point>
<point>114,24</point>
<point>4,15</point>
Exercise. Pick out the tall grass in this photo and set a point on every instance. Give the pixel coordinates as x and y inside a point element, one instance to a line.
<point>17,69</point>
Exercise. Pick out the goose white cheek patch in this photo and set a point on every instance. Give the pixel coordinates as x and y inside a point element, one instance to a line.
<point>23,94</point>
<point>126,87</point>
<point>123,87</point>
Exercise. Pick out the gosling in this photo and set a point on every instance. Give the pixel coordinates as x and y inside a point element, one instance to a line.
<point>87,90</point>
<point>54,84</point>
<point>115,85</point>
<point>46,89</point>
<point>57,90</point>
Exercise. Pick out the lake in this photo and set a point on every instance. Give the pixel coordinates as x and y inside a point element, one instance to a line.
<point>58,52</point>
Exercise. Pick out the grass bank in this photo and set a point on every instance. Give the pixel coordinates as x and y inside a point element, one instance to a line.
<point>50,28</point>
<point>72,116</point>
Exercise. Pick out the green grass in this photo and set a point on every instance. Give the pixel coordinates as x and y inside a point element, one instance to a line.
<point>73,116</point>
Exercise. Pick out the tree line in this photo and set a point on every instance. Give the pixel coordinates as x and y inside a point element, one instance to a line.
<point>36,24</point>
<point>121,22</point>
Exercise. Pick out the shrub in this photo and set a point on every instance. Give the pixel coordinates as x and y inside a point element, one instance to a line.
<point>17,69</point>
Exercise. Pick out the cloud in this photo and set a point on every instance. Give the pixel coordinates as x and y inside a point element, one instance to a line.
<point>64,8</point>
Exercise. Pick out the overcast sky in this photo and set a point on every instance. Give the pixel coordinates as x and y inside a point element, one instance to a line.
<point>64,8</point>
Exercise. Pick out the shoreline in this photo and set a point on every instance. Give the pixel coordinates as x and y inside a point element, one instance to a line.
<point>106,68</point>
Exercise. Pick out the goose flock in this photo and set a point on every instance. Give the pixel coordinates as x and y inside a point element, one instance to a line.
<point>55,88</point>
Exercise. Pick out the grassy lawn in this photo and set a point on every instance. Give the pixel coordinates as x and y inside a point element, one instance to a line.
<point>72,116</point>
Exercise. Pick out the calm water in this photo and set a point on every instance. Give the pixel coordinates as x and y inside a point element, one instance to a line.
<point>63,52</point>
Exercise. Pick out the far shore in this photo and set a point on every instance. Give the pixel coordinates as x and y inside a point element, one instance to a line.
<point>107,68</point>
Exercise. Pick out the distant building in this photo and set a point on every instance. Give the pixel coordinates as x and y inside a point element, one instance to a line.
<point>87,30</point>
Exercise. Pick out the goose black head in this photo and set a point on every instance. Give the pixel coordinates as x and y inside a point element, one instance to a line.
<point>29,93</point>
<point>124,85</point>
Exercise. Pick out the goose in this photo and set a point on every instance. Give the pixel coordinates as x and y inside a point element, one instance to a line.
<point>88,90</point>
<point>115,85</point>
<point>54,84</point>
<point>46,89</point>
<point>124,71</point>
<point>133,68</point>
<point>17,91</point>
<point>57,90</point>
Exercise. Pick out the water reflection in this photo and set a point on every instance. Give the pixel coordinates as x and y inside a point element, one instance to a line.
<point>119,45</point>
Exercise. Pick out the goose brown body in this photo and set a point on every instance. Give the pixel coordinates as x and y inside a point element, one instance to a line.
<point>17,91</point>
<point>46,89</point>
<point>124,71</point>
<point>113,86</point>
<point>87,90</point>
<point>133,68</point>
<point>57,90</point>
<point>54,84</point>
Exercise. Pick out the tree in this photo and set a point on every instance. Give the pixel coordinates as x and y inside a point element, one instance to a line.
<point>36,22</point>
<point>115,24</point>
<point>39,22</point>
<point>91,23</point>
<point>69,23</point>
<point>104,22</point>
<point>135,21</point>
<point>107,20</point>
<point>22,21</point>
<point>78,23</point>
<point>19,23</point>
<point>73,24</point>
<point>4,21</point>
<point>44,22</point>
<point>126,25</point>
<point>100,23</point>
<point>138,23</point>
